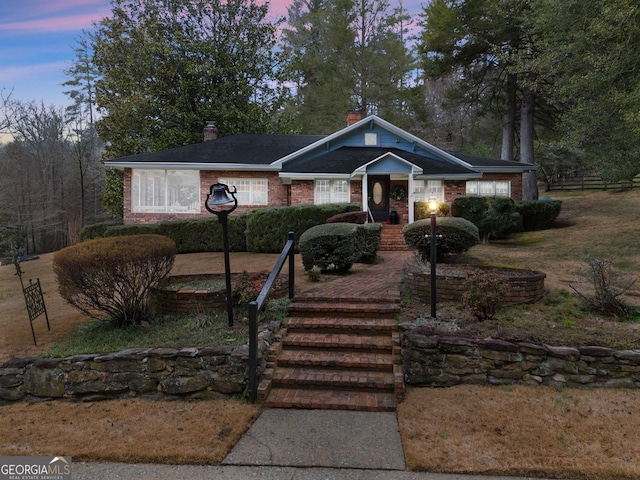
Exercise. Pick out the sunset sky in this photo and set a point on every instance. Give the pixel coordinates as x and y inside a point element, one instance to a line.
<point>37,38</point>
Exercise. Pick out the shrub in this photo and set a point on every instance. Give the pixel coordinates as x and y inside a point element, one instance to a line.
<point>539,214</point>
<point>97,230</point>
<point>359,217</point>
<point>470,208</point>
<point>368,242</point>
<point>484,294</point>
<point>606,288</point>
<point>113,275</point>
<point>330,247</point>
<point>247,288</point>
<point>268,228</point>
<point>501,218</point>
<point>455,236</point>
<point>422,210</point>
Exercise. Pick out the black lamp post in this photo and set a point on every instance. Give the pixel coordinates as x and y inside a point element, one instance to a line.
<point>433,206</point>
<point>217,198</point>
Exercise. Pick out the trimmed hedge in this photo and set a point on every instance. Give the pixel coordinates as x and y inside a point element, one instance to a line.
<point>539,214</point>
<point>498,217</point>
<point>358,217</point>
<point>268,228</point>
<point>112,276</point>
<point>455,236</point>
<point>330,246</point>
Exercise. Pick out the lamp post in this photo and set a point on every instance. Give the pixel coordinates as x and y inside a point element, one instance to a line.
<point>433,206</point>
<point>217,198</point>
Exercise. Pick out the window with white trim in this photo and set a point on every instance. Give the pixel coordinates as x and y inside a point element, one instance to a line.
<point>250,191</point>
<point>489,188</point>
<point>165,191</point>
<point>331,191</point>
<point>425,190</point>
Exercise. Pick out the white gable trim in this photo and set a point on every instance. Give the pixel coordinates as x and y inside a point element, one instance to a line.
<point>373,119</point>
<point>415,170</point>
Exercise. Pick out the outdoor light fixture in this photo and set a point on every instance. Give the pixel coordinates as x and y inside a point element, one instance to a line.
<point>433,207</point>
<point>217,198</point>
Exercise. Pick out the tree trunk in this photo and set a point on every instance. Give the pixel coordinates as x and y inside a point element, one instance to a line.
<point>509,119</point>
<point>529,185</point>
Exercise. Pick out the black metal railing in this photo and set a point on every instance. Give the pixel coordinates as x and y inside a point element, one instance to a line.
<point>255,307</point>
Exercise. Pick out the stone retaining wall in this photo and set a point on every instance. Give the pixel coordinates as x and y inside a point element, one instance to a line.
<point>140,371</point>
<point>526,286</point>
<point>441,361</point>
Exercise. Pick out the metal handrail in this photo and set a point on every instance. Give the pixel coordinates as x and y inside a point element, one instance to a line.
<point>255,307</point>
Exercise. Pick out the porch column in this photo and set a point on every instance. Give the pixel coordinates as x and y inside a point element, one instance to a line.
<point>365,195</point>
<point>410,199</point>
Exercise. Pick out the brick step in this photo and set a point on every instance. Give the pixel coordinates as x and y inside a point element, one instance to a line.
<point>352,299</point>
<point>331,399</point>
<point>348,309</point>
<point>338,340</point>
<point>336,359</point>
<point>332,378</point>
<point>337,324</point>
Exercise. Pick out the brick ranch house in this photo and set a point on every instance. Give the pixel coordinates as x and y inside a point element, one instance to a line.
<point>370,162</point>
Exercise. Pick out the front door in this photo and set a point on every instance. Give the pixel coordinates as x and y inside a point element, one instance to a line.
<point>378,190</point>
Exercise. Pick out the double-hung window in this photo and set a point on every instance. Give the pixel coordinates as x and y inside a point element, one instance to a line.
<point>165,191</point>
<point>424,190</point>
<point>489,188</point>
<point>250,191</point>
<point>331,191</point>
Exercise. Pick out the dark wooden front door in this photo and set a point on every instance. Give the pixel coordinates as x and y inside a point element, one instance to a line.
<point>378,192</point>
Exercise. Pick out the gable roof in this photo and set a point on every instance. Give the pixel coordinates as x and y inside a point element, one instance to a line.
<point>340,154</point>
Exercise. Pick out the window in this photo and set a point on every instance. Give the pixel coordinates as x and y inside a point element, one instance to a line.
<point>331,191</point>
<point>165,191</point>
<point>250,191</point>
<point>489,189</point>
<point>424,190</point>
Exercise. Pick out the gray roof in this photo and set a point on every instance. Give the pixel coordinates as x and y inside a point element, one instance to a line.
<point>242,148</point>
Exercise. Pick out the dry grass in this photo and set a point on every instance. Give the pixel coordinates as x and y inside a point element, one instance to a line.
<point>532,431</point>
<point>135,430</point>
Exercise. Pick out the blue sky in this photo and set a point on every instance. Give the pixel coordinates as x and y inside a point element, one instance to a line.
<point>37,38</point>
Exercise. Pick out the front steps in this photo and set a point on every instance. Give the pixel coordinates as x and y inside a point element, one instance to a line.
<point>335,355</point>
<point>391,238</point>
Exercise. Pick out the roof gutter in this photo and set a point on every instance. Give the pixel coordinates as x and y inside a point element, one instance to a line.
<point>192,166</point>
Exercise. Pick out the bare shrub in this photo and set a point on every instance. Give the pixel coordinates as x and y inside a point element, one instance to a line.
<point>113,275</point>
<point>606,286</point>
<point>485,294</point>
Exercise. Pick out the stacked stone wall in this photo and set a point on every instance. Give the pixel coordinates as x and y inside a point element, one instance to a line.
<point>441,361</point>
<point>164,372</point>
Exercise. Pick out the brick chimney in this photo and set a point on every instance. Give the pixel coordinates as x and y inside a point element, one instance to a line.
<point>353,116</point>
<point>210,131</point>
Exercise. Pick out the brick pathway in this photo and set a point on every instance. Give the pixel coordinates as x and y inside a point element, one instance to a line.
<point>340,345</point>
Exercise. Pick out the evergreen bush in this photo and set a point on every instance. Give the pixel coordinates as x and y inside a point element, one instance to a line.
<point>455,236</point>
<point>331,246</point>
<point>112,276</point>
<point>539,214</point>
<point>359,217</point>
<point>268,228</point>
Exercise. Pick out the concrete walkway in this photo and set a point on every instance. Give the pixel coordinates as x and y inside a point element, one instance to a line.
<point>285,444</point>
